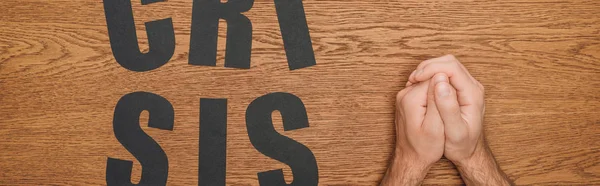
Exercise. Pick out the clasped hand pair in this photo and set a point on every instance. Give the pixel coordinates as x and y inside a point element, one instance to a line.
<point>440,113</point>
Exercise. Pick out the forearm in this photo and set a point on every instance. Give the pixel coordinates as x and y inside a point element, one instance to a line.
<point>404,172</point>
<point>482,169</point>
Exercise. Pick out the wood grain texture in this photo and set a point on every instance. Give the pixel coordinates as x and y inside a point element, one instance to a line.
<point>538,59</point>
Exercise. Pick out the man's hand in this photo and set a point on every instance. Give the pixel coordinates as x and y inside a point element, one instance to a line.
<point>419,134</point>
<point>461,107</point>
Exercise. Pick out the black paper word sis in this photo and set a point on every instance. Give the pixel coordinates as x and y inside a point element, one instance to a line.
<point>213,112</point>
<point>213,137</point>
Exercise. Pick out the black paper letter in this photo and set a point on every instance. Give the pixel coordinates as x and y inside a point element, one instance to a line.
<point>270,143</point>
<point>123,39</point>
<point>205,26</point>
<point>126,126</point>
<point>294,31</point>
<point>213,141</point>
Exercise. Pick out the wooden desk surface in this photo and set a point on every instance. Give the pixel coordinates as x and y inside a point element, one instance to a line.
<point>539,61</point>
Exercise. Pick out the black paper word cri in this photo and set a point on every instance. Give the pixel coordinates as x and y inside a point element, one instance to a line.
<point>213,112</point>
<point>203,40</point>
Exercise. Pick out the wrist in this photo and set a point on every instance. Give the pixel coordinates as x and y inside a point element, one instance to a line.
<point>480,156</point>
<point>481,168</point>
<point>405,170</point>
<point>411,166</point>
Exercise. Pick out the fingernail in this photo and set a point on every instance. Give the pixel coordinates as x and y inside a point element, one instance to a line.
<point>440,78</point>
<point>443,90</point>
<point>411,74</point>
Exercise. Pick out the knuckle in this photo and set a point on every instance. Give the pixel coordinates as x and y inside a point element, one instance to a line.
<point>480,96</point>
<point>424,63</point>
<point>453,64</point>
<point>481,87</point>
<point>401,94</point>
<point>456,64</point>
<point>399,97</point>
<point>480,99</point>
<point>452,58</point>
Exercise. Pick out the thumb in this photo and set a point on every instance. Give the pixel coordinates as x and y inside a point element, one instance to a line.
<point>447,103</point>
<point>432,121</point>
